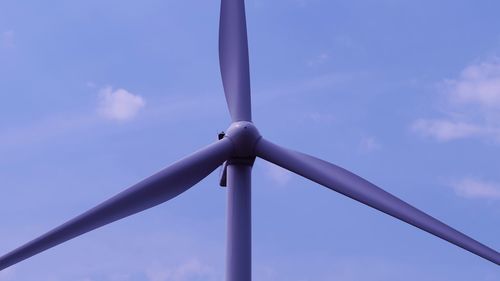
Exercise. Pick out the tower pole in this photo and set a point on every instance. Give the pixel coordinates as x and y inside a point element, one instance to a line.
<point>239,223</point>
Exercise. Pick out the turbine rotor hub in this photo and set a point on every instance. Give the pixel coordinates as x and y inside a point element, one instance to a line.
<point>244,135</point>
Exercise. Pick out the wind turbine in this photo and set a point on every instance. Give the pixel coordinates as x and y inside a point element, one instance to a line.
<point>236,150</point>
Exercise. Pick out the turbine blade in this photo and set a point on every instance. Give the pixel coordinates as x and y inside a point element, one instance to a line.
<point>148,193</point>
<point>233,59</point>
<point>357,188</point>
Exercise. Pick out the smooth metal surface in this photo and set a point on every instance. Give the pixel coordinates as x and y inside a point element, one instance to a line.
<point>239,223</point>
<point>233,59</point>
<point>244,135</point>
<point>148,193</point>
<point>357,188</point>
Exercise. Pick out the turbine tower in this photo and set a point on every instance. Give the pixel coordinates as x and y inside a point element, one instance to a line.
<point>236,151</point>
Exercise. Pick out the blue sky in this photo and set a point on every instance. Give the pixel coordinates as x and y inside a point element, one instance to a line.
<point>98,95</point>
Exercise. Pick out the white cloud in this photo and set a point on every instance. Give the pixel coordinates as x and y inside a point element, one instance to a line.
<point>319,59</point>
<point>7,40</point>
<point>318,117</point>
<point>472,106</point>
<point>277,174</point>
<point>64,124</point>
<point>7,274</point>
<point>368,144</point>
<point>478,84</point>
<point>119,277</point>
<point>44,129</point>
<point>119,104</point>
<point>446,130</point>
<point>476,189</point>
<point>192,269</point>
<point>301,3</point>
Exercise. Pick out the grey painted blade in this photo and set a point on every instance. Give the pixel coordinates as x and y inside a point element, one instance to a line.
<point>357,188</point>
<point>233,59</point>
<point>148,193</point>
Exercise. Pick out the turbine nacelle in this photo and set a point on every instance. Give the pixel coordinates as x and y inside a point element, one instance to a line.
<point>244,136</point>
